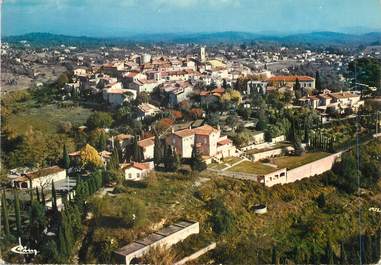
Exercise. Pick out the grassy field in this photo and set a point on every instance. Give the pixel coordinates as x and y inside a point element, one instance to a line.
<point>296,161</point>
<point>47,118</point>
<point>252,168</point>
<point>231,160</point>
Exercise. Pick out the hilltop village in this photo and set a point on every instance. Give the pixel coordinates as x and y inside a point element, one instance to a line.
<point>117,121</point>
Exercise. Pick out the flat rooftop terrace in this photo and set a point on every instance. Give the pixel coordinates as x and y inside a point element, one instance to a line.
<point>154,237</point>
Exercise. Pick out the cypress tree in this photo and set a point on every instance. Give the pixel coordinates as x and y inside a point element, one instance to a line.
<point>329,259</point>
<point>31,191</point>
<point>43,196</point>
<point>343,255</point>
<point>113,164</point>
<point>119,151</point>
<point>54,198</point>
<point>4,213</point>
<point>318,85</point>
<point>37,195</point>
<point>197,163</point>
<point>158,152</point>
<point>315,260</point>
<point>274,258</point>
<point>137,154</point>
<point>66,158</point>
<point>62,247</point>
<point>17,214</point>
<point>102,142</point>
<point>368,249</point>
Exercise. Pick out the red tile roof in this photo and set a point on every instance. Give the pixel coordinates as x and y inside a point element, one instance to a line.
<point>204,130</point>
<point>44,172</point>
<point>146,142</point>
<point>184,133</point>
<point>225,141</point>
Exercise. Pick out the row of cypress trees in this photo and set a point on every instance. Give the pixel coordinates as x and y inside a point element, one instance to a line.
<point>64,226</point>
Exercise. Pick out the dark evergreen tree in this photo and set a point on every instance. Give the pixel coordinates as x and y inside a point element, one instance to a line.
<point>119,151</point>
<point>137,154</point>
<point>328,254</point>
<point>368,249</point>
<point>43,196</point>
<point>37,222</point>
<point>197,163</point>
<point>274,257</point>
<point>54,198</point>
<point>17,214</point>
<point>102,142</point>
<point>66,158</point>
<point>171,161</point>
<point>318,85</point>
<point>37,195</point>
<point>31,190</point>
<point>343,255</point>
<point>4,214</point>
<point>158,151</point>
<point>315,259</point>
<point>61,244</point>
<point>113,164</point>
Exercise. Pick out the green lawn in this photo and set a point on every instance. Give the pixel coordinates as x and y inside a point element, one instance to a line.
<point>231,160</point>
<point>252,168</point>
<point>217,166</point>
<point>296,161</point>
<point>47,118</point>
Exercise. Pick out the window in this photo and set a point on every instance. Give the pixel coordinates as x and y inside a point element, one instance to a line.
<point>129,175</point>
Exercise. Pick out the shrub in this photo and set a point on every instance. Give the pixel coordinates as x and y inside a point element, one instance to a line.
<point>221,218</point>
<point>132,212</point>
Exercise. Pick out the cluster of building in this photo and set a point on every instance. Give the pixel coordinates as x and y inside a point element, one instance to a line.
<point>338,102</point>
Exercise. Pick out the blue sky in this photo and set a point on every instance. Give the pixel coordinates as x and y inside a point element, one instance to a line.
<point>124,17</point>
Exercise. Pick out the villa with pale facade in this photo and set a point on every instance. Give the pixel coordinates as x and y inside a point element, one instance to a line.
<point>38,178</point>
<point>208,141</point>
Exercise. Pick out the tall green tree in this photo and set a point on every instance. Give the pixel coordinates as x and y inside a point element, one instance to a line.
<point>171,160</point>
<point>137,154</point>
<point>65,158</point>
<point>318,85</point>
<point>54,198</point>
<point>119,150</point>
<point>197,163</point>
<point>37,223</point>
<point>158,151</point>
<point>43,201</point>
<point>37,195</point>
<point>4,214</point>
<point>113,163</point>
<point>274,256</point>
<point>328,254</point>
<point>102,142</point>
<point>343,255</point>
<point>17,214</point>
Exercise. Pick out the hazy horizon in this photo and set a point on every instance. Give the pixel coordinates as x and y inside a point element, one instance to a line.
<point>113,18</point>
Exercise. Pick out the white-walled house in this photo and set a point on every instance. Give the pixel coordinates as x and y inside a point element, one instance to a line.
<point>39,178</point>
<point>136,171</point>
<point>146,110</point>
<point>117,96</point>
<point>147,146</point>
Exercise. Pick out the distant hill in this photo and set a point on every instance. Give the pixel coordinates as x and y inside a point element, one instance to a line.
<point>326,38</point>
